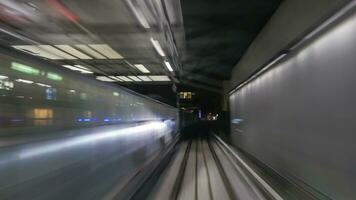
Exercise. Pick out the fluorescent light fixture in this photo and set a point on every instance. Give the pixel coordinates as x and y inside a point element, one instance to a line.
<point>56,52</point>
<point>84,70</point>
<point>73,51</point>
<point>105,79</point>
<point>43,85</point>
<point>139,15</point>
<point>36,51</point>
<point>135,78</point>
<point>24,81</point>
<point>3,77</point>
<point>108,78</point>
<point>142,68</point>
<point>106,50</point>
<point>160,78</point>
<point>124,78</point>
<point>54,76</point>
<point>115,94</point>
<point>78,68</point>
<point>72,91</point>
<point>70,67</point>
<point>168,65</point>
<point>90,51</point>
<point>144,78</point>
<point>81,67</point>
<point>115,78</point>
<point>158,47</point>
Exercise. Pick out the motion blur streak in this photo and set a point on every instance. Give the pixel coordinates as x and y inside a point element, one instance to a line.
<point>54,133</point>
<point>101,149</point>
<point>63,10</point>
<point>69,143</point>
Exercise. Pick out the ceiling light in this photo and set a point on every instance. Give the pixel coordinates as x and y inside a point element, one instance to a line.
<point>84,69</point>
<point>79,68</point>
<point>139,15</point>
<point>73,51</point>
<point>36,51</point>
<point>157,46</point>
<point>135,78</point>
<point>142,68</point>
<point>56,52</point>
<point>115,78</point>
<point>24,81</point>
<point>144,78</point>
<point>106,50</point>
<point>124,78</point>
<point>70,67</point>
<point>160,78</point>
<point>105,79</point>
<point>90,51</point>
<point>108,78</point>
<point>168,65</point>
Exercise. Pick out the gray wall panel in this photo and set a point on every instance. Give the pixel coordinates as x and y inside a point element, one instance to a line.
<point>300,117</point>
<point>289,22</point>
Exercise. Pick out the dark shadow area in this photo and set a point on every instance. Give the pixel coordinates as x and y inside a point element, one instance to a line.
<point>192,128</point>
<point>200,129</point>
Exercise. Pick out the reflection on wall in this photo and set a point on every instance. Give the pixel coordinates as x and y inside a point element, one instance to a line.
<point>33,94</point>
<point>42,113</point>
<point>51,94</point>
<point>5,84</point>
<point>42,116</point>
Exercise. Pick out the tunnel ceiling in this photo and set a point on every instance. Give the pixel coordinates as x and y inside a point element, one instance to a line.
<point>128,41</point>
<point>217,35</point>
<point>201,39</point>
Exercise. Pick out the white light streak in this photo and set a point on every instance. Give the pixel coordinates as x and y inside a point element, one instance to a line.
<point>106,50</point>
<point>43,85</point>
<point>24,81</point>
<point>69,143</point>
<point>135,78</point>
<point>73,51</point>
<point>160,78</point>
<point>78,68</point>
<point>90,51</point>
<point>168,65</point>
<point>144,78</point>
<point>158,47</point>
<point>142,68</point>
<point>3,77</point>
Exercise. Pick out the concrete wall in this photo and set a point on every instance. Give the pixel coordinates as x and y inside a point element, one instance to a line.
<point>290,21</point>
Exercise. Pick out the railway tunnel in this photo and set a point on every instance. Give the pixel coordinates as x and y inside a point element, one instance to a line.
<point>177,99</point>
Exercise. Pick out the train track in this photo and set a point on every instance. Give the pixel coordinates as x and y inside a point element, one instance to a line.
<point>205,169</point>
